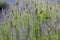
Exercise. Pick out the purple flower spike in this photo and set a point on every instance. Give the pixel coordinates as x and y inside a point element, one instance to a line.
<point>17,3</point>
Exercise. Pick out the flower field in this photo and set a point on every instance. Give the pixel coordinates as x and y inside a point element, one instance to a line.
<point>30,20</point>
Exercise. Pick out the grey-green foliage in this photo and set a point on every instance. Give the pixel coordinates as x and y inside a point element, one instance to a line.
<point>30,21</point>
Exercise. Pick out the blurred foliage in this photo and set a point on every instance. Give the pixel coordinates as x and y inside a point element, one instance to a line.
<point>27,26</point>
